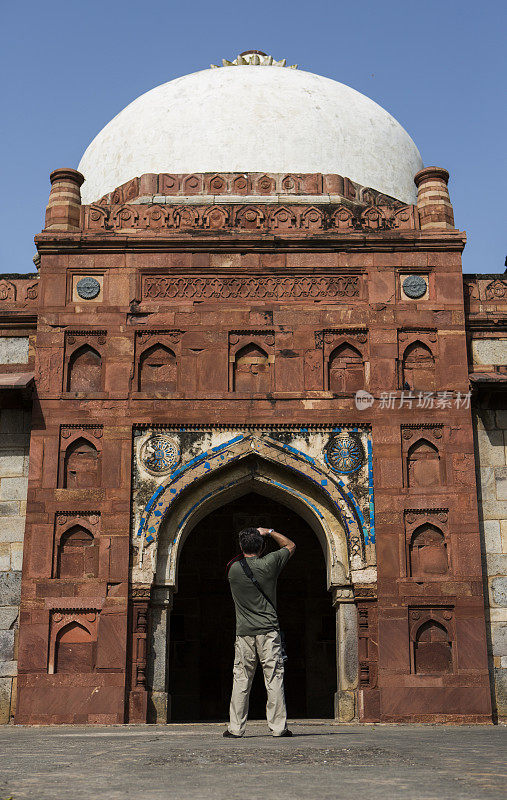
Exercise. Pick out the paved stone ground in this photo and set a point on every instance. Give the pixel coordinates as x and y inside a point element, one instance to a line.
<point>322,761</point>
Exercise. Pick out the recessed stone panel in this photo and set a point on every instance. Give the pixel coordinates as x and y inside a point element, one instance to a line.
<point>13,350</point>
<point>414,287</point>
<point>489,351</point>
<point>87,288</point>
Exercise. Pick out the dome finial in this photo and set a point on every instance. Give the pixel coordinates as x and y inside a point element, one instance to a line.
<point>254,58</point>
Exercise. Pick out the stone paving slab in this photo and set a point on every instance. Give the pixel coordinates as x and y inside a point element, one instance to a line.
<point>322,761</point>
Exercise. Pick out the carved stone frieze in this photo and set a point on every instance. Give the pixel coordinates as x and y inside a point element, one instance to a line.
<point>331,337</point>
<point>138,592</point>
<point>261,217</point>
<point>20,290</point>
<point>71,337</point>
<point>173,336</point>
<point>259,288</point>
<point>479,289</point>
<point>365,591</point>
<point>72,431</point>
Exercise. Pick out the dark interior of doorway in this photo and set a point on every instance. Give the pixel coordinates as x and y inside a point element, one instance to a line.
<point>202,621</point>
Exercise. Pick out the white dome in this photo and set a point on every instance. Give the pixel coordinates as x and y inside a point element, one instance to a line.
<point>253,119</point>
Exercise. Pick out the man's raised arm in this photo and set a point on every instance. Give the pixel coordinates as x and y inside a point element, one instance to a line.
<point>280,539</point>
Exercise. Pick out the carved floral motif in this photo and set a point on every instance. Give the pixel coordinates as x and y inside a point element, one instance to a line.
<point>32,292</point>
<point>344,453</point>
<point>7,290</point>
<point>160,454</point>
<point>496,290</point>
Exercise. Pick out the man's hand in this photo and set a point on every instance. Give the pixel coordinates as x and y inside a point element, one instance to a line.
<point>281,540</point>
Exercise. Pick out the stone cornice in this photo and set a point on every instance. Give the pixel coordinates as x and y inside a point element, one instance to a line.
<point>18,319</point>
<point>478,323</point>
<point>270,199</point>
<point>141,241</point>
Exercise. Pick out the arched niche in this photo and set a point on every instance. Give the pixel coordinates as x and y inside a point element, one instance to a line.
<point>74,649</point>
<point>252,370</point>
<point>84,373</point>
<point>81,465</point>
<point>423,465</point>
<point>418,368</point>
<point>345,369</point>
<point>428,551</point>
<point>241,477</point>
<point>158,371</point>
<point>432,649</point>
<point>78,554</point>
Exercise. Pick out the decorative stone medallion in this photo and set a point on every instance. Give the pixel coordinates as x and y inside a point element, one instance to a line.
<point>88,288</point>
<point>159,454</point>
<point>344,453</point>
<point>415,286</point>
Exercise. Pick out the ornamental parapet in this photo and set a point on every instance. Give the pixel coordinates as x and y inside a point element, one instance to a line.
<point>152,187</point>
<point>234,210</point>
<point>261,217</point>
<point>486,293</point>
<point>248,200</point>
<point>241,202</point>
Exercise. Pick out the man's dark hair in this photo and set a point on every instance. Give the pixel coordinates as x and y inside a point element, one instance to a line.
<point>250,540</point>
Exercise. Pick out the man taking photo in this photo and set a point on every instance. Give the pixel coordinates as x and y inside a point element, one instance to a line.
<point>253,585</point>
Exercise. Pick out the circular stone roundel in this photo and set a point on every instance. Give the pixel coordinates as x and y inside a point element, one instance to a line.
<point>415,286</point>
<point>88,288</point>
<point>159,454</point>
<point>344,453</point>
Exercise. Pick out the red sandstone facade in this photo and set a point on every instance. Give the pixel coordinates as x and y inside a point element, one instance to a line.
<point>250,313</point>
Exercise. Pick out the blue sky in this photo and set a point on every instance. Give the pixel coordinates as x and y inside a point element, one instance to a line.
<point>437,65</point>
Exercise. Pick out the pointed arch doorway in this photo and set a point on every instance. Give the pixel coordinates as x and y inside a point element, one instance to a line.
<point>203,624</point>
<point>189,566</point>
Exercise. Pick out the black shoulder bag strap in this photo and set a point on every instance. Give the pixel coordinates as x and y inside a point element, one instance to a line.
<point>248,572</point>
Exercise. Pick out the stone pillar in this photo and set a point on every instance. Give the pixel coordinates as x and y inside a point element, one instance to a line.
<point>159,700</point>
<point>433,202</point>
<point>139,633</point>
<point>63,211</point>
<point>346,654</point>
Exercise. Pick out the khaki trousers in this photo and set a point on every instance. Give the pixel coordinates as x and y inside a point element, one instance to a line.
<point>268,649</point>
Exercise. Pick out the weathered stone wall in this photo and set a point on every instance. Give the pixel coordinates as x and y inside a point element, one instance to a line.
<point>14,446</point>
<point>491,432</point>
<point>486,307</point>
<point>216,315</point>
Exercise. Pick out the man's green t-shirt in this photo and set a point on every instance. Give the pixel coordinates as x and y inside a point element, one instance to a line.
<point>254,614</point>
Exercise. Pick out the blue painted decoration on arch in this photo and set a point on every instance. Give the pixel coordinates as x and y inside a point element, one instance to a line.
<point>218,453</point>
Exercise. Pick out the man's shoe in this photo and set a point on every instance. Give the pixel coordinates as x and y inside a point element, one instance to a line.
<point>286,732</point>
<point>228,735</point>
